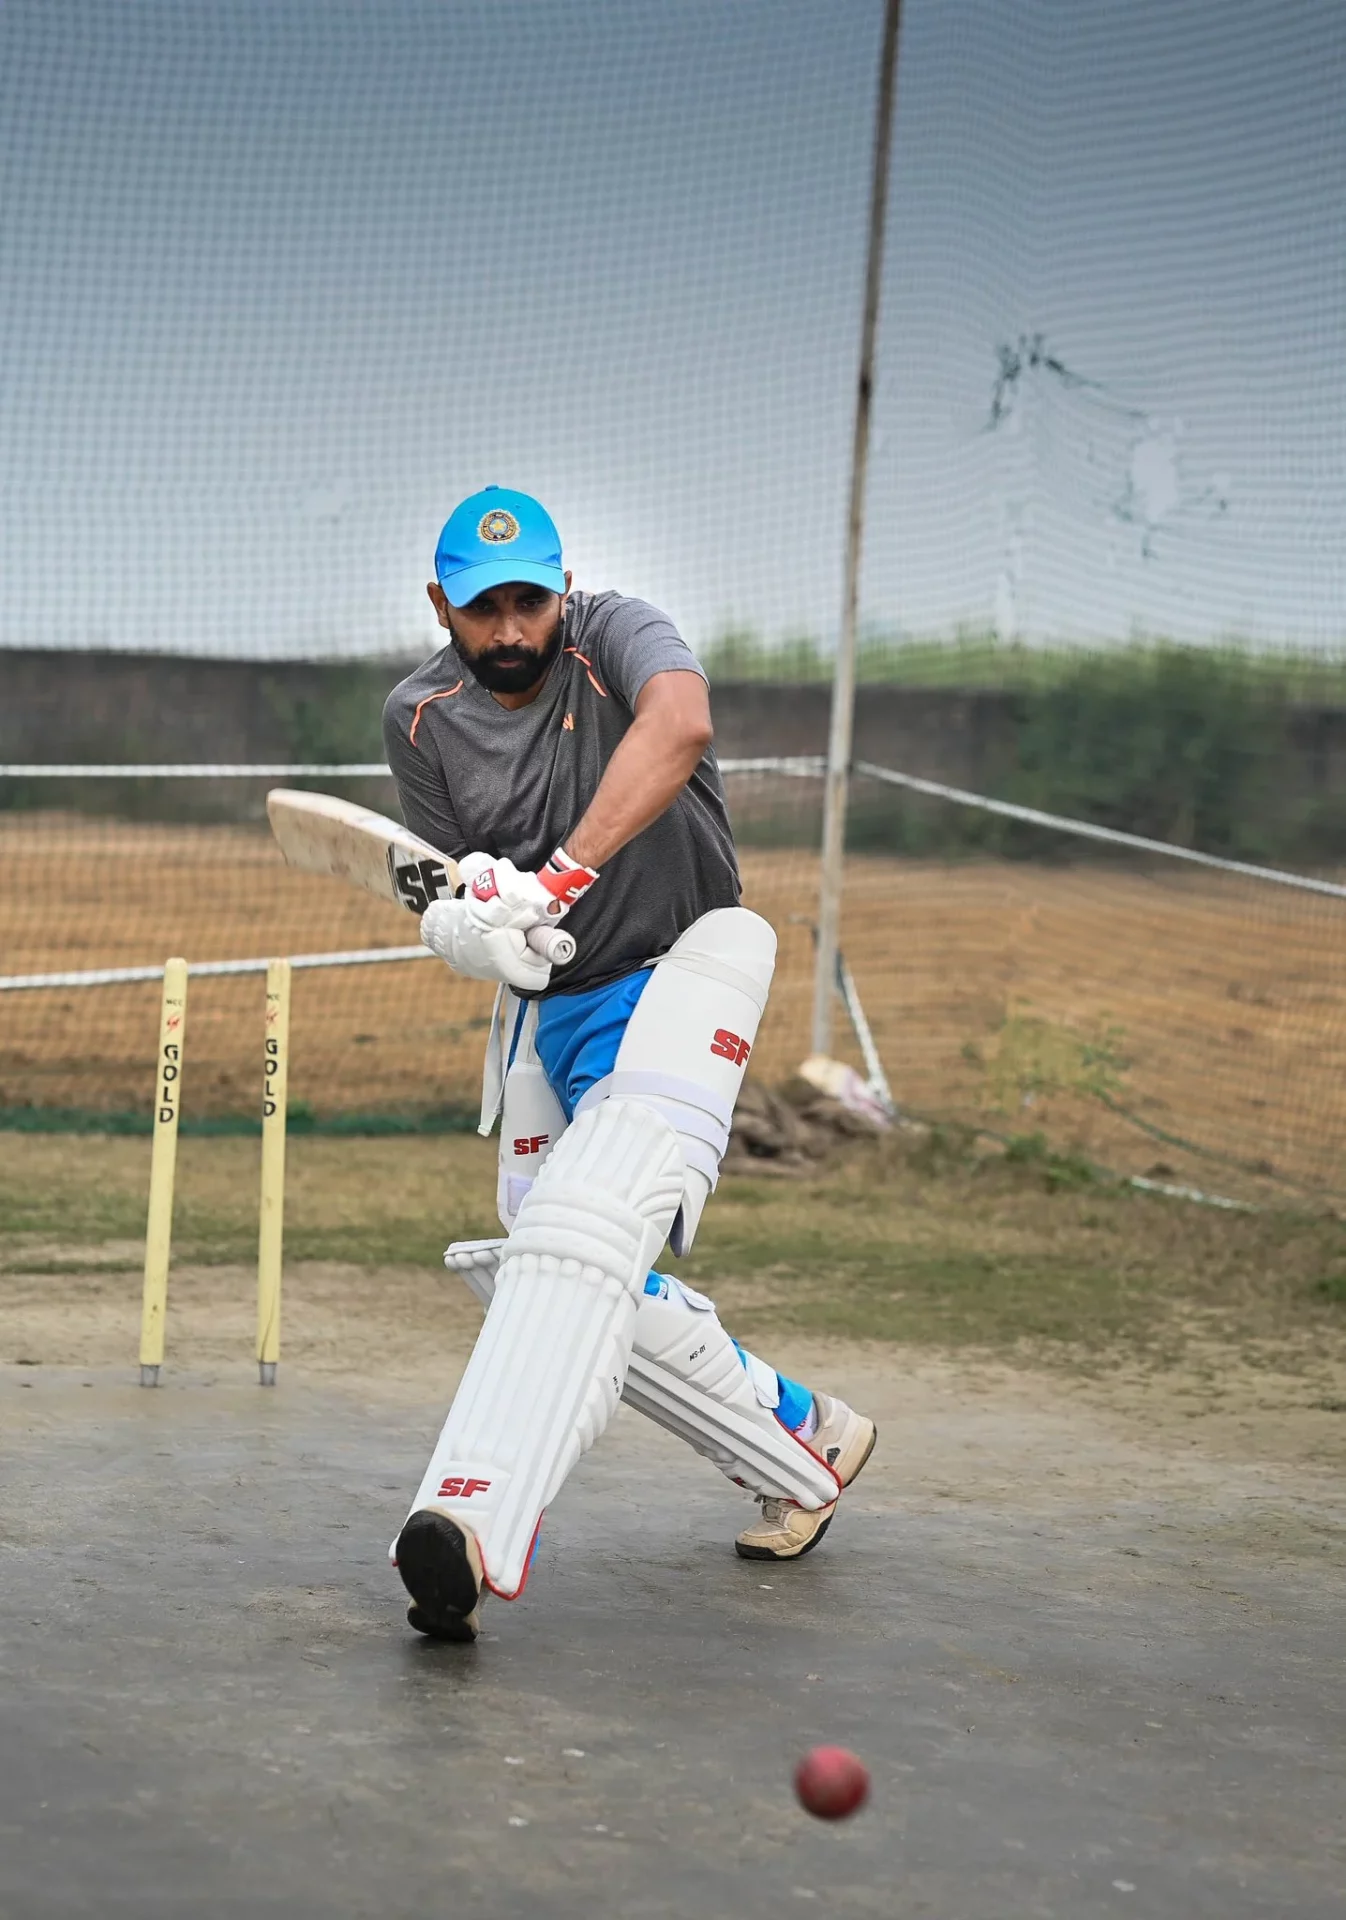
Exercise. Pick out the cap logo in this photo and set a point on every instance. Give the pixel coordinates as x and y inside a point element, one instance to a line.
<point>498,527</point>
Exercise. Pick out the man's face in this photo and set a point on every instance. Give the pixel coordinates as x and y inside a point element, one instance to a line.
<point>508,636</point>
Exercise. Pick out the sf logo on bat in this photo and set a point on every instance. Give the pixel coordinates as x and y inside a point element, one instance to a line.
<point>418,882</point>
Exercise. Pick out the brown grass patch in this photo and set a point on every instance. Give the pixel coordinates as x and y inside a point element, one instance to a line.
<point>1020,996</point>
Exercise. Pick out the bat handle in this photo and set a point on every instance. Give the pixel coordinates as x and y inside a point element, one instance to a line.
<point>553,944</point>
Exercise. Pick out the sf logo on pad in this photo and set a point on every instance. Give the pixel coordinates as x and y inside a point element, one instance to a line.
<point>457,1487</point>
<point>728,1046</point>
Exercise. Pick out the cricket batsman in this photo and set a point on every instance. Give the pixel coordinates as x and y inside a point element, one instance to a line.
<point>559,749</point>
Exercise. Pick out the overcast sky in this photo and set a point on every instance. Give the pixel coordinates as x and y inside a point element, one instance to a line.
<point>280,280</point>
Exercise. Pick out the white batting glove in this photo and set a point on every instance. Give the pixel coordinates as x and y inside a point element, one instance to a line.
<point>495,953</point>
<point>500,895</point>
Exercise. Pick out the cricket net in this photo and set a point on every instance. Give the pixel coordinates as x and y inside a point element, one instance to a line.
<point>1175,1020</point>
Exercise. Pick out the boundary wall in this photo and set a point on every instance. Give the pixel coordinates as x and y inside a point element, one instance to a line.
<point>121,707</point>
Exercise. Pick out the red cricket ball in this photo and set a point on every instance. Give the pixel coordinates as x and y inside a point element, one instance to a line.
<point>831,1782</point>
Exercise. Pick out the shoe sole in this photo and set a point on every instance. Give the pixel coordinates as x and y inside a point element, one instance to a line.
<point>769,1553</point>
<point>435,1560</point>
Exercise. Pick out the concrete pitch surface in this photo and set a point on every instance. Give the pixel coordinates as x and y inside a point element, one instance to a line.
<point>209,1703</point>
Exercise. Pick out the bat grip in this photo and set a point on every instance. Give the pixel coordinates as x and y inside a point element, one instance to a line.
<point>553,944</point>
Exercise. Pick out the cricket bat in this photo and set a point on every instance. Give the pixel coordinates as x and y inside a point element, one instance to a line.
<point>318,833</point>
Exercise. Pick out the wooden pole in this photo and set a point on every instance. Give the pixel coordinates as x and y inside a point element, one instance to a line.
<point>843,679</point>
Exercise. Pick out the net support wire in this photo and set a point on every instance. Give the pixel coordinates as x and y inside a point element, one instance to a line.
<point>802,765</point>
<point>191,770</point>
<point>878,1079</point>
<point>205,969</point>
<point>794,766</point>
<point>1087,830</point>
<point>876,1082</point>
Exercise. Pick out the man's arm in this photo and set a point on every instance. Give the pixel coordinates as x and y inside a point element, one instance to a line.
<point>655,760</point>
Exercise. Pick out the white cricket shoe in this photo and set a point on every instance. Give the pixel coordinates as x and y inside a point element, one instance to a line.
<point>441,1568</point>
<point>844,1439</point>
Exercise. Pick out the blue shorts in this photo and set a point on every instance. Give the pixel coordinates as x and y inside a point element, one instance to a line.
<point>578,1035</point>
<point>577,1038</point>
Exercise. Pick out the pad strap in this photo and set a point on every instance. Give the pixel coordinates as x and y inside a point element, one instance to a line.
<point>720,971</point>
<point>709,1120</point>
<point>702,1122</point>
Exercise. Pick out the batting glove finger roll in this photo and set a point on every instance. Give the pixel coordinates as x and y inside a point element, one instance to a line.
<point>499,953</point>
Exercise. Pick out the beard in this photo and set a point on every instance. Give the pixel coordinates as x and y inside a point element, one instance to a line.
<point>510,669</point>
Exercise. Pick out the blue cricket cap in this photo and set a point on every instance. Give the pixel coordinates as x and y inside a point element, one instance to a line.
<point>494,536</point>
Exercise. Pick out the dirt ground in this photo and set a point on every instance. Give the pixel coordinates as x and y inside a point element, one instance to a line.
<point>1131,1014</point>
<point>395,1330</point>
<point>964,1426</point>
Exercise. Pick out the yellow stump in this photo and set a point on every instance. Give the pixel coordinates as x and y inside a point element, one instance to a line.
<point>163,1160</point>
<point>271,1231</point>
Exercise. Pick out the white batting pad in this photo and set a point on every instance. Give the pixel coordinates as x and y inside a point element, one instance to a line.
<point>686,1375</point>
<point>532,1120</point>
<point>548,1366</point>
<point>686,1045</point>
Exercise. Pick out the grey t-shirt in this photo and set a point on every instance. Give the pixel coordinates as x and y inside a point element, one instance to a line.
<point>475,777</point>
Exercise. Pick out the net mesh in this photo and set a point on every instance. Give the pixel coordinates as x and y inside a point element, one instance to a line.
<point>286,278</point>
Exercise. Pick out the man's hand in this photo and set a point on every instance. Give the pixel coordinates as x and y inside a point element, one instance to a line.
<point>500,895</point>
<point>498,953</point>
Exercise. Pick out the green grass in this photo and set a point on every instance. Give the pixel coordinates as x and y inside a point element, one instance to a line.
<point>877,1291</point>
<point>934,1243</point>
<point>941,1244</point>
